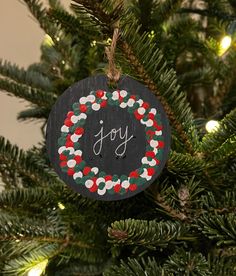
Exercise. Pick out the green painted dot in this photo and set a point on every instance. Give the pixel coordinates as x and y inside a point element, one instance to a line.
<point>75,106</point>
<point>140,171</point>
<point>101,185</point>
<point>126,98</point>
<point>115,178</point>
<point>81,165</point>
<point>64,169</point>
<point>81,122</point>
<point>76,145</point>
<point>123,178</point>
<point>77,112</point>
<point>149,159</point>
<point>132,180</point>
<point>109,95</point>
<point>66,153</point>
<point>78,180</point>
<point>111,191</point>
<point>111,102</point>
<point>122,191</point>
<point>63,134</point>
<point>61,141</point>
<point>136,106</point>
<point>101,174</point>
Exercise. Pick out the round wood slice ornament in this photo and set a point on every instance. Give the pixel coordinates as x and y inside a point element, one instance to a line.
<point>108,144</point>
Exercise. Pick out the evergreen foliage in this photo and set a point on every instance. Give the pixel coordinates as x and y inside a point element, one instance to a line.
<point>184,224</point>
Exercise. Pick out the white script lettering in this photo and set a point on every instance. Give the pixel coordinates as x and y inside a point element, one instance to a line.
<point>112,135</point>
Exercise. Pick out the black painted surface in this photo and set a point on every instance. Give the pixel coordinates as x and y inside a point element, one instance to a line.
<point>113,117</point>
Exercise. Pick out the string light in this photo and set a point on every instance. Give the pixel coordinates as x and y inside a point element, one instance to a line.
<point>225,44</point>
<point>38,269</point>
<point>212,126</point>
<point>48,41</point>
<point>61,206</point>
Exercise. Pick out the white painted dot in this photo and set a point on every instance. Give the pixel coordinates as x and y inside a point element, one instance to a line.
<point>141,110</point>
<point>143,122</point>
<point>71,150</point>
<point>95,106</point>
<point>158,133</point>
<point>153,143</point>
<point>144,160</point>
<point>144,174</point>
<point>82,116</point>
<point>149,123</point>
<point>130,102</point>
<point>109,184</point>
<point>83,100</point>
<point>100,180</point>
<point>115,95</point>
<point>61,149</point>
<point>77,175</point>
<point>148,177</point>
<point>78,152</point>
<point>123,93</point>
<point>101,122</point>
<point>89,183</point>
<point>152,163</point>
<point>91,98</point>
<point>102,192</point>
<point>140,102</point>
<point>74,138</point>
<point>71,163</point>
<point>123,105</point>
<point>65,129</point>
<point>153,111</point>
<point>95,170</point>
<point>74,119</point>
<point>125,184</point>
<point>155,150</point>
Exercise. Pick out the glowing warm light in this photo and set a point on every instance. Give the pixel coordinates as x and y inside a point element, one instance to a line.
<point>38,269</point>
<point>48,41</point>
<point>61,206</point>
<point>225,44</point>
<point>212,126</point>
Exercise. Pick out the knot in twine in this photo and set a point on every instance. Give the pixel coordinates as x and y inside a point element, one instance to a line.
<point>113,73</point>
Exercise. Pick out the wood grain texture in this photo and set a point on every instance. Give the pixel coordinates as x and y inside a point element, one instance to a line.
<point>113,117</point>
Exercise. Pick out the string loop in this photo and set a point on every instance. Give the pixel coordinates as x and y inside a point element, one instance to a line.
<point>113,73</point>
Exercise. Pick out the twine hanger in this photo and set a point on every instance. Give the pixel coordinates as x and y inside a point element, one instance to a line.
<point>113,73</point>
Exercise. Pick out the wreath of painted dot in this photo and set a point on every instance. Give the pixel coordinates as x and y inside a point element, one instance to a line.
<point>71,155</point>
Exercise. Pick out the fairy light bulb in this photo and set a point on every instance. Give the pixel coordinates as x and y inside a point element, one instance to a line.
<point>225,44</point>
<point>212,126</point>
<point>38,269</point>
<point>61,206</point>
<point>47,41</point>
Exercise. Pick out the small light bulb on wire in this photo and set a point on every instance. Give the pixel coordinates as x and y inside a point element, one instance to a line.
<point>225,44</point>
<point>212,126</point>
<point>61,206</point>
<point>38,269</point>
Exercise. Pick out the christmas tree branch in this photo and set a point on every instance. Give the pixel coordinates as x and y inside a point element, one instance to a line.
<point>127,48</point>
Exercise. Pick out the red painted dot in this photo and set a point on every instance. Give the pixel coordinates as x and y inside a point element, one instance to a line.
<point>69,144</point>
<point>160,144</point>
<point>133,187</point>
<point>70,114</point>
<point>150,171</point>
<point>62,157</point>
<point>99,93</point>
<point>103,103</point>
<point>137,115</point>
<point>93,188</point>
<point>78,159</point>
<point>79,131</point>
<point>151,133</point>
<point>68,137</point>
<point>68,123</point>
<point>150,154</point>
<point>151,116</point>
<point>117,188</point>
<point>63,163</point>
<point>133,97</point>
<point>108,177</point>
<point>86,170</point>
<point>70,171</point>
<point>157,161</point>
<point>83,108</point>
<point>145,105</point>
<point>134,174</point>
<point>120,99</point>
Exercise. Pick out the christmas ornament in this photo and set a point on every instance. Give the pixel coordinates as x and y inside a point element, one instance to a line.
<point>106,143</point>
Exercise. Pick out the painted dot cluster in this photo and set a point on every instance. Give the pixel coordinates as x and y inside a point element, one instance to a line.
<point>71,155</point>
